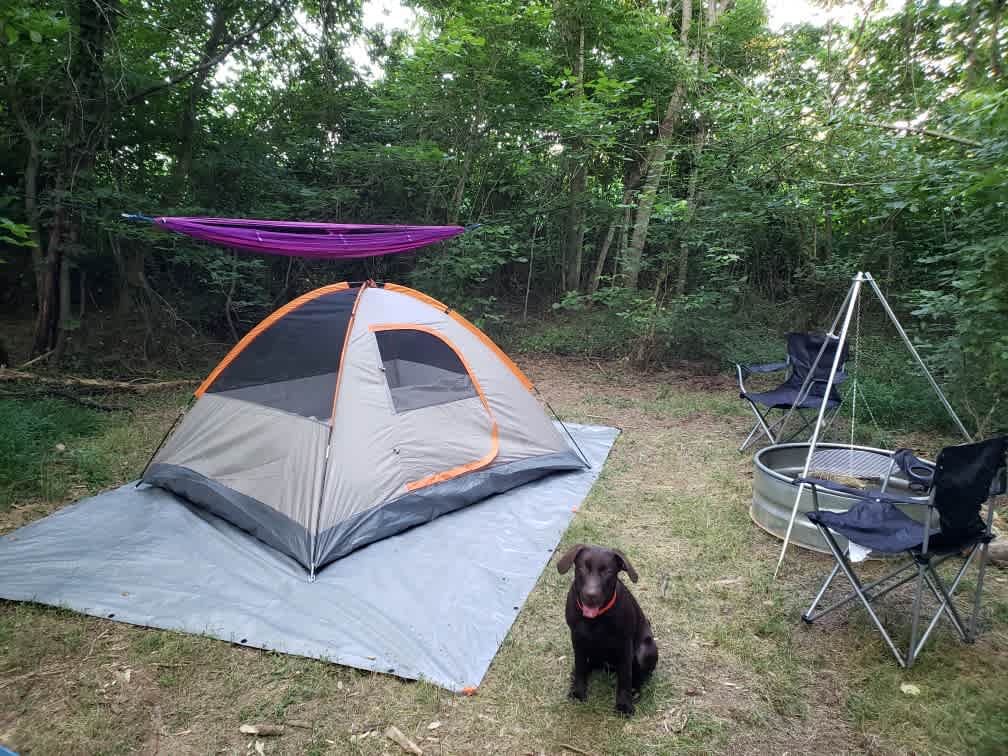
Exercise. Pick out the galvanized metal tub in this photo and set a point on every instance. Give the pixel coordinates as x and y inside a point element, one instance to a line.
<point>774,487</point>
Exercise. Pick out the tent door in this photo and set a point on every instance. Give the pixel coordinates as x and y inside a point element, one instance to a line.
<point>444,426</point>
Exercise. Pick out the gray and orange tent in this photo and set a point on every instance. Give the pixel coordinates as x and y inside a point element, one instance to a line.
<point>353,413</point>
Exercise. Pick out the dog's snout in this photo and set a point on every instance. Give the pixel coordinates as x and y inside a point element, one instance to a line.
<point>592,595</point>
<point>592,592</point>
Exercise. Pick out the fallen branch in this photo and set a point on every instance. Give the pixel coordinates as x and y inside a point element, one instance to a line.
<point>83,401</point>
<point>92,383</point>
<point>261,729</point>
<point>36,359</point>
<point>394,734</point>
<point>924,132</point>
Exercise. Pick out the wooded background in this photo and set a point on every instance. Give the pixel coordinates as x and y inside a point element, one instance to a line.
<point>655,179</point>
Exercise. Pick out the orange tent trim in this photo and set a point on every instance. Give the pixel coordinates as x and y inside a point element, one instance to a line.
<point>487,458</point>
<point>305,298</point>
<point>469,326</point>
<point>249,337</point>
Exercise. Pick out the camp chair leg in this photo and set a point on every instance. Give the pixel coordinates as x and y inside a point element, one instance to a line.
<point>945,597</point>
<point>867,589</point>
<point>809,615</point>
<point>749,438</point>
<point>915,616</point>
<point>971,635</point>
<point>829,421</point>
<point>761,424</point>
<point>808,422</point>
<point>945,605</point>
<point>842,563</point>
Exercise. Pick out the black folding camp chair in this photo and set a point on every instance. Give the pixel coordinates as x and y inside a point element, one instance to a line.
<point>960,481</point>
<point>805,396</point>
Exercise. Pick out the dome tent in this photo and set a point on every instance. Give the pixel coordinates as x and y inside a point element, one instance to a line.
<point>352,413</point>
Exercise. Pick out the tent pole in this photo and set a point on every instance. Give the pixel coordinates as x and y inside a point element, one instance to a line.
<point>165,438</point>
<point>564,426</point>
<point>332,424</point>
<point>851,304</point>
<point>913,351</point>
<point>815,364</point>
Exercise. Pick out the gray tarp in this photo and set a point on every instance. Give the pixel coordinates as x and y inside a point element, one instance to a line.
<point>434,602</point>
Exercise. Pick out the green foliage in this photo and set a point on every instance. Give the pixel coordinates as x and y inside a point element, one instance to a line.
<point>15,234</point>
<point>785,167</point>
<point>31,464</point>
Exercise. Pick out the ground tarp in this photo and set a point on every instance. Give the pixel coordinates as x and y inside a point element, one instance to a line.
<point>434,602</point>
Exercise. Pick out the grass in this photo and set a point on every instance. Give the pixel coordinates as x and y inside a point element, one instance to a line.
<point>38,448</point>
<point>738,673</point>
<point>54,449</point>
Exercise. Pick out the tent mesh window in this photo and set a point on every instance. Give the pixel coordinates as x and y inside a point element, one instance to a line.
<point>421,369</point>
<point>292,364</point>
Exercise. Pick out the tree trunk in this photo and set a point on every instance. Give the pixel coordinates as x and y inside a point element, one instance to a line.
<point>32,212</point>
<point>32,165</point>
<point>995,45</point>
<point>656,166</point>
<point>230,296</point>
<point>691,204</point>
<point>826,251</point>
<point>531,264</point>
<point>603,253</point>
<point>645,204</point>
<point>471,148</point>
<point>82,291</point>
<point>86,119</point>
<point>222,13</point>
<point>574,238</point>
<point>455,206</point>
<point>44,338</point>
<point>65,310</point>
<point>972,62</point>
<point>132,284</point>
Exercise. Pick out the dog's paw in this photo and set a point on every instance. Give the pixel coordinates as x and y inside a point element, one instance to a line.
<point>577,693</point>
<point>624,707</point>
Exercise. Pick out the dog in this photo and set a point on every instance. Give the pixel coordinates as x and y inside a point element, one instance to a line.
<point>608,628</point>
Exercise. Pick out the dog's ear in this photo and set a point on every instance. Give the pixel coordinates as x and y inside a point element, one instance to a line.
<point>568,559</point>
<point>626,565</point>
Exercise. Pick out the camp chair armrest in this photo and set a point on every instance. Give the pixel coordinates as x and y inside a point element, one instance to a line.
<point>767,367</point>
<point>918,471</point>
<point>840,377</point>
<point>744,371</point>
<point>866,494</point>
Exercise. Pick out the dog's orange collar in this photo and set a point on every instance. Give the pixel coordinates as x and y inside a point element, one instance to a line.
<point>601,611</point>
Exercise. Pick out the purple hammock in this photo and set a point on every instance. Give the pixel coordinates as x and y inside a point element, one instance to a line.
<point>307,239</point>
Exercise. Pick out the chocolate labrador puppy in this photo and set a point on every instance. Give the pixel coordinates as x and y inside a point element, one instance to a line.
<point>608,628</point>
